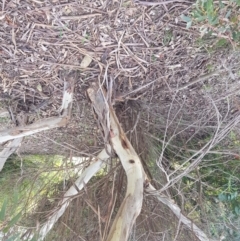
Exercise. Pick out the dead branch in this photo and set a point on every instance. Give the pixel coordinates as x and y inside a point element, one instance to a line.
<point>42,125</point>
<point>89,172</point>
<point>132,203</point>
<point>11,147</point>
<point>177,211</point>
<point>146,3</point>
<point>36,127</point>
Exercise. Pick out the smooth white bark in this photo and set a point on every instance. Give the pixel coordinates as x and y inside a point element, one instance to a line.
<point>11,147</point>
<point>36,127</point>
<point>87,174</point>
<point>44,124</point>
<point>132,203</point>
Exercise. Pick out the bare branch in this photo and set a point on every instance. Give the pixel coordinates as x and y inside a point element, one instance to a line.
<point>46,124</point>
<point>11,147</point>
<point>177,211</point>
<point>36,127</point>
<point>89,172</point>
<point>132,203</point>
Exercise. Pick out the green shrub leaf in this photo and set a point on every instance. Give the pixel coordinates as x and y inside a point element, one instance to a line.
<point>222,197</point>
<point>236,35</point>
<point>13,238</point>
<point>15,219</point>
<point>185,18</point>
<point>3,210</point>
<point>237,2</point>
<point>228,14</point>
<point>237,210</point>
<point>189,24</point>
<point>234,195</point>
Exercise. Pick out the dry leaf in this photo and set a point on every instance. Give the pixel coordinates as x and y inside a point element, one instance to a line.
<point>39,87</point>
<point>2,17</point>
<point>48,15</point>
<point>86,61</point>
<point>67,10</point>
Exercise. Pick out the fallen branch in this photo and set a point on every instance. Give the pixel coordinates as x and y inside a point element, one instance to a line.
<point>13,145</point>
<point>89,172</point>
<point>9,150</point>
<point>131,206</point>
<point>177,211</point>
<point>146,3</point>
<point>132,203</point>
<point>46,124</point>
<point>36,127</point>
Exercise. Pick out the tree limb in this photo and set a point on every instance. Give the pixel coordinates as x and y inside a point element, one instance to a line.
<point>131,206</point>
<point>177,211</point>
<point>11,147</point>
<point>89,172</point>
<point>45,124</point>
<point>132,203</point>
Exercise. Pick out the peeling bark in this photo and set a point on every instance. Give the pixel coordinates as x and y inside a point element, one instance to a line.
<point>136,178</point>
<point>132,203</point>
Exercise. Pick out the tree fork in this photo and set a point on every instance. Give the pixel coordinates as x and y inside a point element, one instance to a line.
<point>132,203</point>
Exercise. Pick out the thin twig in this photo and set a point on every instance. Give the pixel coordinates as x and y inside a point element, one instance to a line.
<point>80,16</point>
<point>158,3</point>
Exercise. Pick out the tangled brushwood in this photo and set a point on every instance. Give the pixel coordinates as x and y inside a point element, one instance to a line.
<point>117,122</point>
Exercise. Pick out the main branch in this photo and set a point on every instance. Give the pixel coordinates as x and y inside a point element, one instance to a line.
<point>132,203</point>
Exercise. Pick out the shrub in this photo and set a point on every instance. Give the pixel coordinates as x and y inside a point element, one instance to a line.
<point>214,18</point>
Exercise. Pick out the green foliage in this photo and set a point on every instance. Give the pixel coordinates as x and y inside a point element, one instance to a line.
<point>221,193</point>
<point>24,184</point>
<point>168,35</point>
<point>217,19</point>
<point>15,219</point>
<point>232,199</point>
<point>6,221</point>
<point>212,190</point>
<point>3,210</point>
<point>4,120</point>
<point>14,238</point>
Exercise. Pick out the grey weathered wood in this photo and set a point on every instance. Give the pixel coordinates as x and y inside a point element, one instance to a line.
<point>11,147</point>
